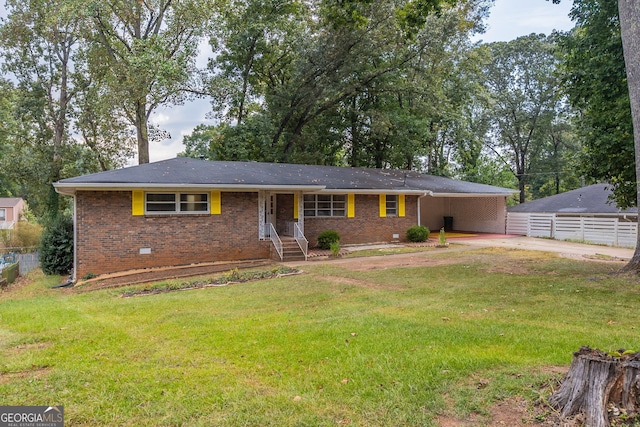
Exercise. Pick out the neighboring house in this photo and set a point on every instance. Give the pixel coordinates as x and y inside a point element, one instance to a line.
<point>183,211</point>
<point>10,211</point>
<point>586,214</point>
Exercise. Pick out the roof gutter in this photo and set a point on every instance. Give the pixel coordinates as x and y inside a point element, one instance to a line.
<point>69,189</point>
<point>371,191</point>
<point>473,194</point>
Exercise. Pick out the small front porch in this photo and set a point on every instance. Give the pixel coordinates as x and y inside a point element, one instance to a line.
<point>282,224</point>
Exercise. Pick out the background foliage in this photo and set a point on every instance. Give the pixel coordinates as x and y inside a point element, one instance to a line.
<point>386,84</point>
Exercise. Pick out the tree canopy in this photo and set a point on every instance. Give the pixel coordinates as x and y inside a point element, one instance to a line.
<point>360,83</point>
<point>595,79</point>
<point>386,84</point>
<point>526,104</point>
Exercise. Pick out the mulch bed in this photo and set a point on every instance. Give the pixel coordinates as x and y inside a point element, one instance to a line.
<point>157,274</point>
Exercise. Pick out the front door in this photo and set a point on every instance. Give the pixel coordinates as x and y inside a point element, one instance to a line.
<point>270,212</point>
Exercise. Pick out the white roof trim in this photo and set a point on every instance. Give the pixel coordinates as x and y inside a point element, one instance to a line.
<point>369,191</point>
<point>472,194</point>
<point>70,189</point>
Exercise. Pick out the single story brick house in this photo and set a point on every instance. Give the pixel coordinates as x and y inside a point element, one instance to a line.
<point>11,209</point>
<point>184,211</point>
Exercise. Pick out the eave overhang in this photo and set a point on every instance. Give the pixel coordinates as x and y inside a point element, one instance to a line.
<point>72,189</point>
<point>467,195</point>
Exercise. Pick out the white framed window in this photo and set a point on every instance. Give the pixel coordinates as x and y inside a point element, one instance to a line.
<point>3,214</point>
<point>325,205</point>
<point>392,204</point>
<point>185,203</point>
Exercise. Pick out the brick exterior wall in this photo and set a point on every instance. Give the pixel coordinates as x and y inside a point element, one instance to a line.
<point>476,214</point>
<point>367,226</point>
<point>109,238</point>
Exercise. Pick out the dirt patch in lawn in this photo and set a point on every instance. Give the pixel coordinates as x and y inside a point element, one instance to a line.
<point>410,259</point>
<point>494,258</point>
<point>32,346</point>
<point>514,411</point>
<point>31,374</point>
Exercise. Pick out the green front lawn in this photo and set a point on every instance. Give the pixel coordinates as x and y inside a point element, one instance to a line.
<point>391,347</point>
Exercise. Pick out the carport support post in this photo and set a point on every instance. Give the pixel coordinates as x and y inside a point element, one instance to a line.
<point>419,207</point>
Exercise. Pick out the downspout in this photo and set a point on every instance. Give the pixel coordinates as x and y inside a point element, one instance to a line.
<point>75,238</point>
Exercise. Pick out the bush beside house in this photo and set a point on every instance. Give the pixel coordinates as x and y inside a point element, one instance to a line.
<point>56,247</point>
<point>418,233</point>
<point>327,238</point>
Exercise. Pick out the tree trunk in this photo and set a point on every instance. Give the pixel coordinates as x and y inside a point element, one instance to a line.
<point>599,387</point>
<point>629,11</point>
<point>522,187</point>
<point>142,130</point>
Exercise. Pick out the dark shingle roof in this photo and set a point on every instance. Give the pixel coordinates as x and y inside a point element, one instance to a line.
<point>593,199</point>
<point>183,172</point>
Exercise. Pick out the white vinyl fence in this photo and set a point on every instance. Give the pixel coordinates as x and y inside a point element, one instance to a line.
<point>609,231</point>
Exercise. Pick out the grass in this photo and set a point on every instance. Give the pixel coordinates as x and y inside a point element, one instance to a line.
<point>391,347</point>
<point>385,251</point>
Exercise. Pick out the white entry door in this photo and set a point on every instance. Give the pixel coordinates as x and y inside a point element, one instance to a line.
<point>270,209</point>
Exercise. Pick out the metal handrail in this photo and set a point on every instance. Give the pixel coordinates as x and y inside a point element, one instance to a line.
<point>275,239</point>
<point>302,241</point>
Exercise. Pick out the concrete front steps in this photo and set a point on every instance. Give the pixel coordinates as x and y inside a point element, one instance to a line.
<point>290,250</point>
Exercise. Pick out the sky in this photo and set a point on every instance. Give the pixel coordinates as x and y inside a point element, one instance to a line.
<point>508,20</point>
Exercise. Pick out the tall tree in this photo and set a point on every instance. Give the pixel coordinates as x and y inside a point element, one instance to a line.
<point>102,126</point>
<point>8,130</point>
<point>251,39</point>
<point>596,83</point>
<point>629,22</point>
<point>145,52</point>
<point>630,28</point>
<point>335,82</point>
<point>521,78</point>
<point>555,170</point>
<point>39,40</point>
<point>412,117</point>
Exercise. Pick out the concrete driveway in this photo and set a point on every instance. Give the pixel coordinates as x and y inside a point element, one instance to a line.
<point>568,249</point>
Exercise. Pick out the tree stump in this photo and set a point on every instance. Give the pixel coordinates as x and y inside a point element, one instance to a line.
<point>600,386</point>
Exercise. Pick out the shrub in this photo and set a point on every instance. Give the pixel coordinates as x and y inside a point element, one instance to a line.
<point>327,237</point>
<point>24,236</point>
<point>335,249</point>
<point>56,247</point>
<point>418,233</point>
<point>5,238</point>
<point>443,237</point>
<point>27,235</point>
